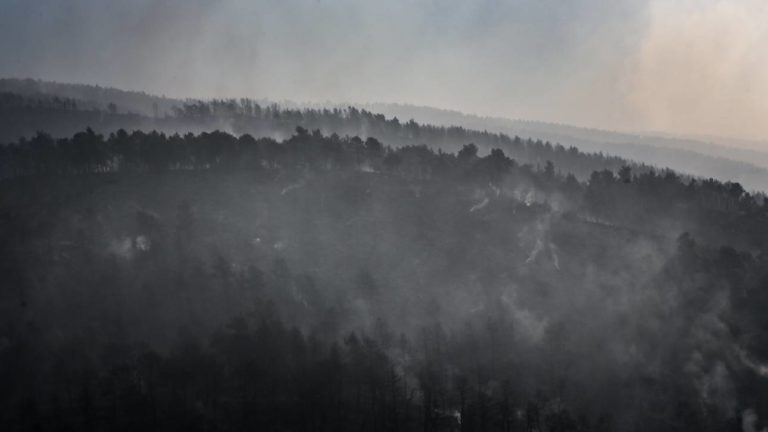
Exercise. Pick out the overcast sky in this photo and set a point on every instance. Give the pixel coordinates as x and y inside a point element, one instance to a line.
<point>689,66</point>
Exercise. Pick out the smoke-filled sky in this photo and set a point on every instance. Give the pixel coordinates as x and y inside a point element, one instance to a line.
<point>688,66</point>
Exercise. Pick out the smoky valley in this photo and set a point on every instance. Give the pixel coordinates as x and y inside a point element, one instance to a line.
<point>232,264</point>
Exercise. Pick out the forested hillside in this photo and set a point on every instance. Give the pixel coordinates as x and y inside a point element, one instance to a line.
<point>33,105</point>
<point>703,156</point>
<point>333,282</point>
<point>91,96</point>
<point>22,116</point>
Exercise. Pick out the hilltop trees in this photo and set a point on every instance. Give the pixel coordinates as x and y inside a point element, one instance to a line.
<point>607,193</point>
<point>26,115</point>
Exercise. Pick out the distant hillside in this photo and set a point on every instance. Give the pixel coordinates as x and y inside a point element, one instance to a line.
<point>92,97</point>
<point>107,109</point>
<point>26,115</point>
<point>696,157</point>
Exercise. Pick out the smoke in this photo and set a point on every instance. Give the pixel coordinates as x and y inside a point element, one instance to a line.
<point>756,367</point>
<point>525,58</point>
<point>703,68</point>
<point>749,421</point>
<point>682,67</point>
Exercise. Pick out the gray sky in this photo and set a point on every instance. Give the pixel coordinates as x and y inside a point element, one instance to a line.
<point>687,66</point>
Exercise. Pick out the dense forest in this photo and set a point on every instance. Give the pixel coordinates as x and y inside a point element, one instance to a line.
<point>431,279</point>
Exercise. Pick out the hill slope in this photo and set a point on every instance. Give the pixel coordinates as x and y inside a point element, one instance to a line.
<point>325,282</point>
<point>688,156</point>
<point>692,156</point>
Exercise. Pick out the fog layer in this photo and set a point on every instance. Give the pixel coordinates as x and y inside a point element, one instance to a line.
<point>673,66</point>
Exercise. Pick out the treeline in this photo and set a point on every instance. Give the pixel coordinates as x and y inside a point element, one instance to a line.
<point>107,109</point>
<point>90,96</point>
<point>11,101</point>
<point>25,116</point>
<point>89,152</point>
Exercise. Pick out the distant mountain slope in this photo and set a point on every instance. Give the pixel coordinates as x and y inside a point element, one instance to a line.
<point>138,110</point>
<point>92,97</point>
<point>696,157</point>
<point>26,117</point>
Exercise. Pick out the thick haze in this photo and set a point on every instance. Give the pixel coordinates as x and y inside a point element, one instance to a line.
<point>674,66</point>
